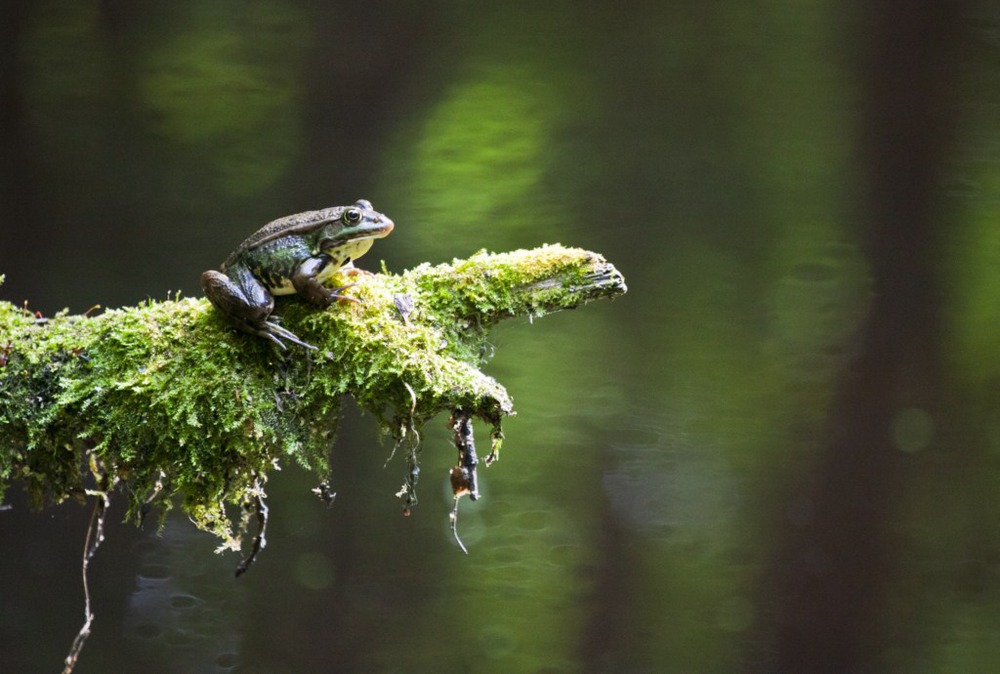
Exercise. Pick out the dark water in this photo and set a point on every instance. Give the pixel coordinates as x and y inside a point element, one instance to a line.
<point>777,453</point>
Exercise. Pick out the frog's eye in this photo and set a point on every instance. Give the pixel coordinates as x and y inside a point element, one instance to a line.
<point>351,216</point>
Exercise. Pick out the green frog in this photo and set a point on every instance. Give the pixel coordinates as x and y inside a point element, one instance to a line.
<point>294,254</point>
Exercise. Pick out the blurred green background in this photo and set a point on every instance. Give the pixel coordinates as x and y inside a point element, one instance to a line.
<point>778,452</point>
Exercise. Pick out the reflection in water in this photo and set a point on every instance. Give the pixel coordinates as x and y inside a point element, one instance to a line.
<point>662,487</point>
<point>185,603</point>
<point>816,305</point>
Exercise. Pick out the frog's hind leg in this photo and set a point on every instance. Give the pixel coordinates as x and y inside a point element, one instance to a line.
<point>243,301</point>
<point>247,305</point>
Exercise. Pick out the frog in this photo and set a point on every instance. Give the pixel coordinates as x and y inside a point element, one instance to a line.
<point>296,254</point>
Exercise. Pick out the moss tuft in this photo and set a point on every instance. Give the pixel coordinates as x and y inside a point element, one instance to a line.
<point>168,400</point>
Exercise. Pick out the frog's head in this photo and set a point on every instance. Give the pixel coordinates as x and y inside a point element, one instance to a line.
<point>357,227</point>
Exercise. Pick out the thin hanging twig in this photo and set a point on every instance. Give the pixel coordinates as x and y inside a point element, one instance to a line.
<point>454,526</point>
<point>259,541</point>
<point>463,474</point>
<point>95,535</point>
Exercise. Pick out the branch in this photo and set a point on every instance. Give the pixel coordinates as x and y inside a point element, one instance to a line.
<point>169,400</point>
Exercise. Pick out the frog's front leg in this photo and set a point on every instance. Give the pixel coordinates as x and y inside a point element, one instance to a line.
<point>247,304</point>
<point>308,281</point>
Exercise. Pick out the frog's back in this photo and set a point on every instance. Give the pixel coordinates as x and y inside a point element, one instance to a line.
<point>290,225</point>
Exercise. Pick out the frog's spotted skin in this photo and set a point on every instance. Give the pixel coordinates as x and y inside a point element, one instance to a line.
<point>294,254</point>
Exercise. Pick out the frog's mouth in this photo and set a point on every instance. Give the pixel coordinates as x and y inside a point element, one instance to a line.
<point>381,228</point>
<point>359,243</point>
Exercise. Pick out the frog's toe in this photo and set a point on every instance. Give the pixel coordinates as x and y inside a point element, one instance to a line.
<point>272,338</point>
<point>337,294</point>
<point>276,333</point>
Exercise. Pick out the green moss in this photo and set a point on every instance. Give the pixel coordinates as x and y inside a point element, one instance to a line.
<point>167,399</point>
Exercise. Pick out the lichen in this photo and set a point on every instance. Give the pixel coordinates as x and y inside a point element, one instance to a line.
<point>169,401</point>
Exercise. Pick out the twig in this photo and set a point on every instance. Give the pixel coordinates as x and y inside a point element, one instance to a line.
<point>463,475</point>
<point>95,535</point>
<point>453,517</point>
<point>259,542</point>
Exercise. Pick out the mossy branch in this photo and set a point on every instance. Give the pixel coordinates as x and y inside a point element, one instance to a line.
<point>169,400</point>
